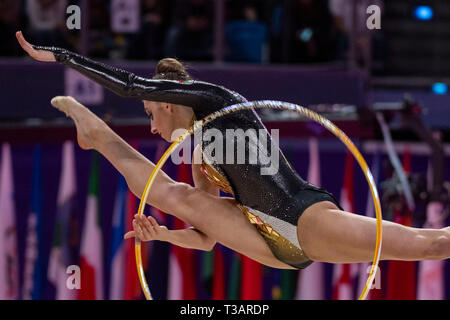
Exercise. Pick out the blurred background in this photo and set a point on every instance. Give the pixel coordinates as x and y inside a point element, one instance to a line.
<point>378,69</point>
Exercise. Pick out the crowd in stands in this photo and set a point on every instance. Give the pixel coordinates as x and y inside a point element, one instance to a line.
<point>255,31</point>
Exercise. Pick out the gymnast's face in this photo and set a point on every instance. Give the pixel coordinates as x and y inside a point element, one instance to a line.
<point>165,118</point>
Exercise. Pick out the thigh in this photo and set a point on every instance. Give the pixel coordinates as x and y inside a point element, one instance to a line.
<point>328,234</point>
<point>222,220</point>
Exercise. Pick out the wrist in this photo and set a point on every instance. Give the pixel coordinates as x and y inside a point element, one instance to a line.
<point>165,236</point>
<point>59,54</point>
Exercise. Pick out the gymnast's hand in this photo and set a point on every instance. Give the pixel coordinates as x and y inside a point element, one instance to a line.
<point>40,55</point>
<point>147,229</point>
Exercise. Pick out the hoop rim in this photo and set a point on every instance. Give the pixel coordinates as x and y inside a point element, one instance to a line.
<point>271,104</point>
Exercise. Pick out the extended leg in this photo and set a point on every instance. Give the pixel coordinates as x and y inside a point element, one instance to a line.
<point>93,133</point>
<point>330,235</point>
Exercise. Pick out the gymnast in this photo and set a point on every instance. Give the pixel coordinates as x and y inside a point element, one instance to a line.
<point>279,220</point>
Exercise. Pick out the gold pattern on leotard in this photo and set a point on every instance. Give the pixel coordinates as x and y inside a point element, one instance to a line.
<point>216,178</point>
<point>282,248</point>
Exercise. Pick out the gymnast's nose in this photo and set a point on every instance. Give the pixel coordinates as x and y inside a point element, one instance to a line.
<point>153,129</point>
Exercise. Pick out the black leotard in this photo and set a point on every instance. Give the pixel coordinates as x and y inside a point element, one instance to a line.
<point>273,203</point>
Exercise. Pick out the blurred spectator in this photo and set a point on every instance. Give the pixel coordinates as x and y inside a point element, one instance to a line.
<point>10,22</point>
<point>237,10</point>
<point>343,18</point>
<point>276,29</point>
<point>47,21</point>
<point>101,40</point>
<point>311,32</point>
<point>190,36</point>
<point>245,32</point>
<point>125,16</point>
<point>149,41</point>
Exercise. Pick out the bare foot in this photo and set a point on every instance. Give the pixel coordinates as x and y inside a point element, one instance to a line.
<point>87,123</point>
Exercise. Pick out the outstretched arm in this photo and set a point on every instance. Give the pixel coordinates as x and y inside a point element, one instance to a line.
<point>119,81</point>
<point>147,229</point>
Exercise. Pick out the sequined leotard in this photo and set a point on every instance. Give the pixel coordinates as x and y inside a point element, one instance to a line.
<point>273,203</point>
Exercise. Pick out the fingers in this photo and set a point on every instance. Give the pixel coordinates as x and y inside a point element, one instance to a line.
<point>160,231</point>
<point>23,43</point>
<point>146,229</point>
<point>143,228</point>
<point>40,55</point>
<point>146,226</point>
<point>129,234</point>
<point>140,233</point>
<point>153,221</point>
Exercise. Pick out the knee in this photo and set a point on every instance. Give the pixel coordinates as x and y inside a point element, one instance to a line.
<point>181,196</point>
<point>176,194</point>
<point>439,248</point>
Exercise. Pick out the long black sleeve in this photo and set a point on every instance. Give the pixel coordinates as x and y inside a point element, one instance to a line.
<point>203,97</point>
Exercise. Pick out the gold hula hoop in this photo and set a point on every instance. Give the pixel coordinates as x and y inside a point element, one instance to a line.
<point>269,104</point>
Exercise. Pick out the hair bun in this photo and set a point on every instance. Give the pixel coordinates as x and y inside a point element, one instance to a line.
<point>170,65</point>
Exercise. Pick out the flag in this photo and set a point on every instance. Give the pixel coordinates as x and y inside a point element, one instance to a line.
<point>65,236</point>
<point>34,274</point>
<point>132,285</point>
<point>158,251</point>
<point>343,273</point>
<point>117,255</point>
<point>271,283</point>
<point>182,284</point>
<point>9,282</point>
<point>213,274</point>
<point>364,268</point>
<point>234,282</point>
<point>431,277</point>
<point>251,279</point>
<point>207,274</point>
<point>431,272</point>
<point>310,283</point>
<point>288,284</point>
<point>175,285</point>
<point>402,274</point>
<point>91,242</point>
<point>218,288</point>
